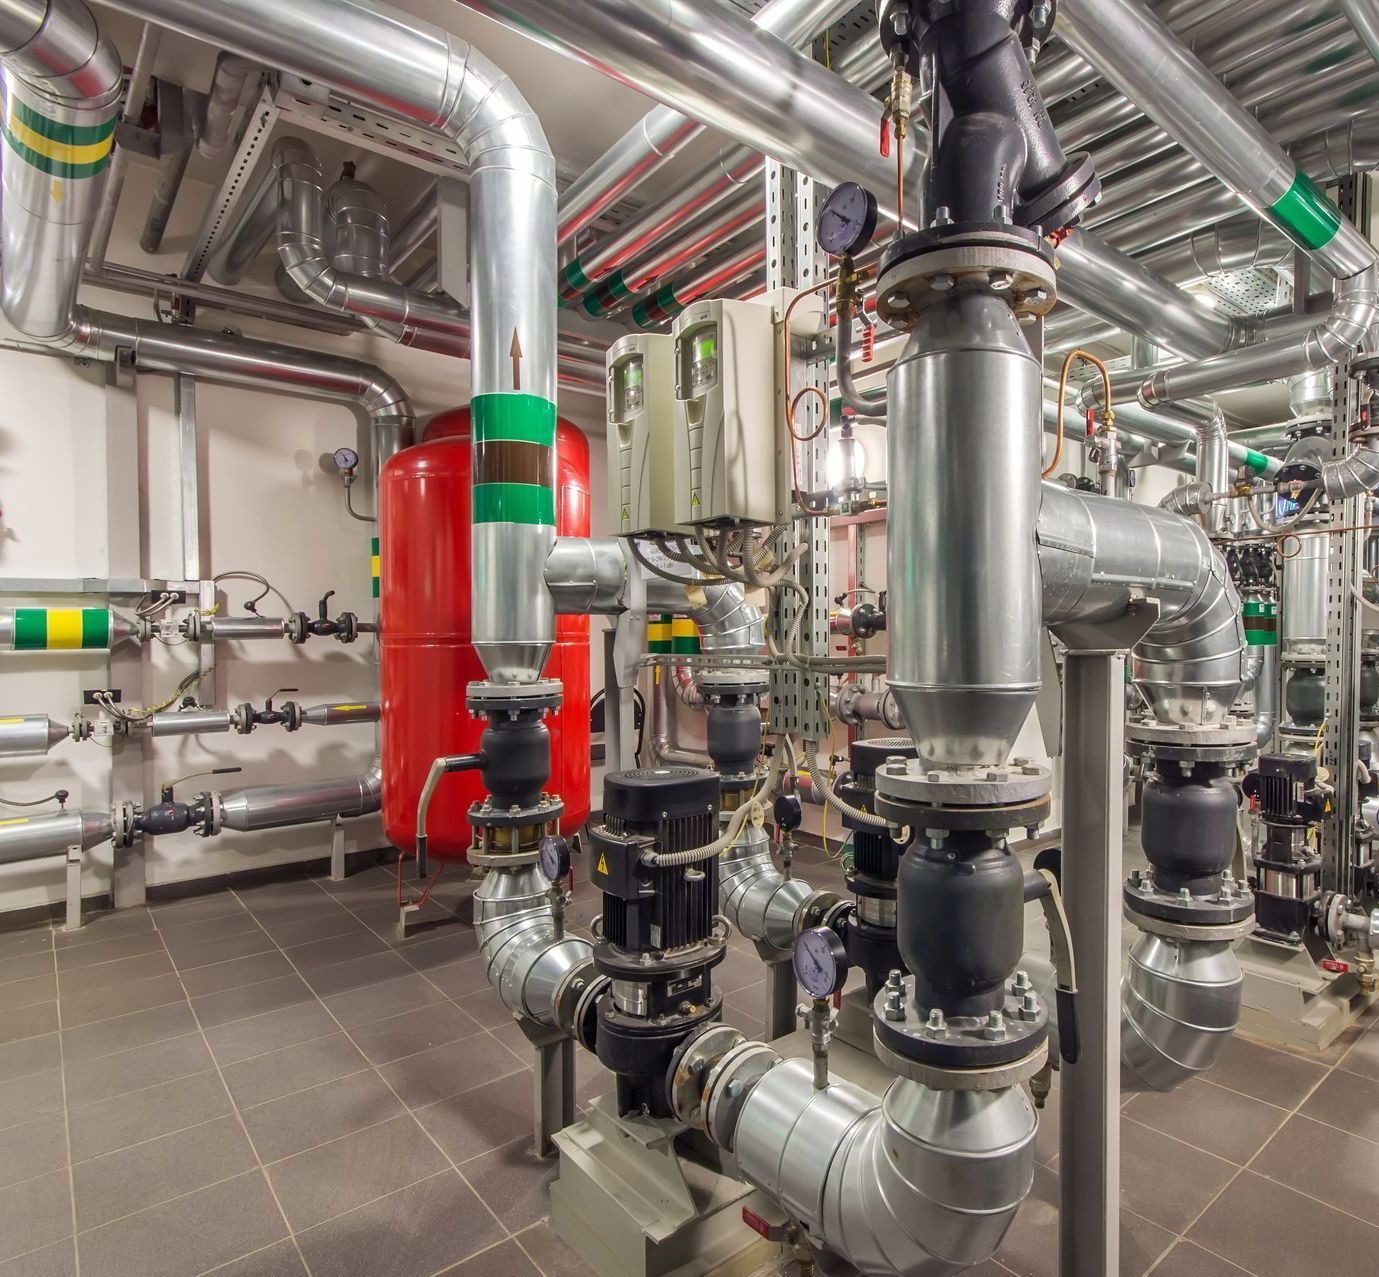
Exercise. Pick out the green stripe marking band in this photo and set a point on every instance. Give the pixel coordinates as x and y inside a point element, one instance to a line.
<point>514,503</point>
<point>95,627</point>
<point>516,418</point>
<point>1257,461</point>
<point>30,629</point>
<point>55,168</point>
<point>67,134</point>
<point>573,282</point>
<point>1305,215</point>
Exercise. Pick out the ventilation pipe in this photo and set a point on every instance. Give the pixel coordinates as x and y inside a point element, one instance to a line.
<point>63,82</point>
<point>1144,59</point>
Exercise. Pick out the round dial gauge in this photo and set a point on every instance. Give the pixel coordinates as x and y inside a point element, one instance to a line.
<point>554,858</point>
<point>847,220</point>
<point>346,458</point>
<point>820,962</point>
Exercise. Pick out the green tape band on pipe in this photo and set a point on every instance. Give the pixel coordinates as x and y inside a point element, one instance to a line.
<point>516,418</point>
<point>514,503</point>
<point>1305,215</point>
<point>71,151</point>
<point>375,555</point>
<point>1257,461</point>
<point>573,282</point>
<point>39,629</point>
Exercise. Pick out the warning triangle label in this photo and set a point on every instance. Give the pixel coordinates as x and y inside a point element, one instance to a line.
<point>602,866</point>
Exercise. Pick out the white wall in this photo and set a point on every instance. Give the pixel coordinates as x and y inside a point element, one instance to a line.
<point>267,506</point>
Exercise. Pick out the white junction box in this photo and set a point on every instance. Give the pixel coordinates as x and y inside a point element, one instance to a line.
<point>641,427</point>
<point>728,414</point>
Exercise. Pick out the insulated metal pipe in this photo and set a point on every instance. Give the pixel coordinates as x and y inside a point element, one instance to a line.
<point>190,722</point>
<point>661,134</point>
<point>397,312</point>
<point>35,837</point>
<point>759,901</point>
<point>222,357</point>
<point>234,79</point>
<point>965,429</point>
<point>1114,287</point>
<point>26,735</point>
<point>277,806</point>
<point>917,1183</point>
<point>63,82</point>
<point>1364,17</point>
<point>1096,553</point>
<point>1145,60</point>
<point>1180,1004</point>
<point>417,72</point>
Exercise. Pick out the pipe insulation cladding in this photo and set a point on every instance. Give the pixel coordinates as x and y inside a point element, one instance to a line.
<point>419,73</point>
<point>63,82</point>
<point>965,417</point>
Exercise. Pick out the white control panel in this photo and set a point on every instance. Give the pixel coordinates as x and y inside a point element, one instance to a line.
<point>641,426</point>
<point>725,397</point>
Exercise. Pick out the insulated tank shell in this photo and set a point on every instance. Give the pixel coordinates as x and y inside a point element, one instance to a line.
<point>426,655</point>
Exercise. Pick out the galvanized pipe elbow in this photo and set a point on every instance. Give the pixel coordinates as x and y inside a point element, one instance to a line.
<point>587,575</point>
<point>526,960</point>
<point>920,1183</point>
<point>1180,1003</point>
<point>755,896</point>
<point>1096,554</point>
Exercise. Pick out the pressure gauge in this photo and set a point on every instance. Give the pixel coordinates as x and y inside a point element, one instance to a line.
<point>554,858</point>
<point>346,458</point>
<point>847,220</point>
<point>820,962</point>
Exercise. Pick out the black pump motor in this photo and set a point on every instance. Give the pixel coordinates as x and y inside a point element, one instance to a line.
<point>658,940</point>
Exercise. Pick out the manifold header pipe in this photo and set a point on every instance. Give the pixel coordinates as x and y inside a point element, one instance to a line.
<point>63,82</point>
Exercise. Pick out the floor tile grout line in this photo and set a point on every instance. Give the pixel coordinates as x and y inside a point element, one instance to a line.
<point>409,1112</point>
<point>220,1268</point>
<point>1192,1223</point>
<point>248,1139</point>
<point>167,1201</point>
<point>67,1129</point>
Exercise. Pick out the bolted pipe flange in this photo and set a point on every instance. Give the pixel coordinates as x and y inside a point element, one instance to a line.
<point>513,699</point>
<point>927,797</point>
<point>1001,1036</point>
<point>1004,260</point>
<point>1232,741</point>
<point>1234,902</point>
<point>692,1064</point>
<point>993,1077</point>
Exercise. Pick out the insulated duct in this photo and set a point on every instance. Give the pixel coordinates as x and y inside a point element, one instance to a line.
<point>63,82</point>
<point>417,72</point>
<point>1097,553</point>
<point>50,834</point>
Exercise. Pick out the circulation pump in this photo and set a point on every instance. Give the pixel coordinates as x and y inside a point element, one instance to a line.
<point>658,938</point>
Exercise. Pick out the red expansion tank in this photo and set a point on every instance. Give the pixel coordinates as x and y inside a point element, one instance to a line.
<point>426,656</point>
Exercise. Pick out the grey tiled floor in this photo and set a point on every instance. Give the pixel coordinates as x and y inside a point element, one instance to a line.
<point>264,1082</point>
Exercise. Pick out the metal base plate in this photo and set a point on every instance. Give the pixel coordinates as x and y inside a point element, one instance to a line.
<point>1289,999</point>
<point>630,1205</point>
